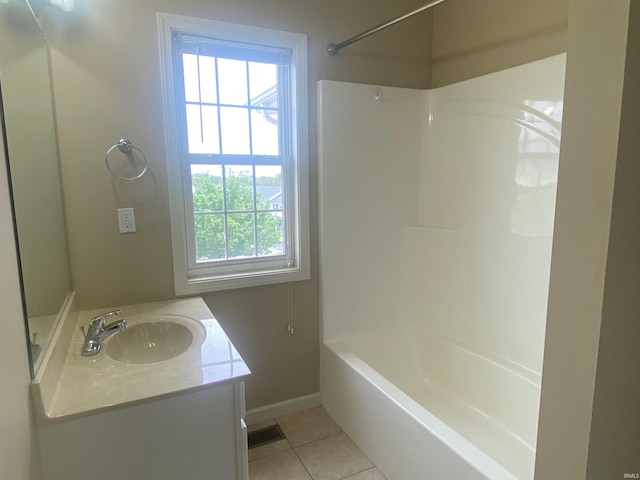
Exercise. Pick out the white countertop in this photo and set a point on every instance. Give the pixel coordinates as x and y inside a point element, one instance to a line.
<point>91,385</point>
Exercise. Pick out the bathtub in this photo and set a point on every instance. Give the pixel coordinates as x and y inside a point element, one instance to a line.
<point>423,406</point>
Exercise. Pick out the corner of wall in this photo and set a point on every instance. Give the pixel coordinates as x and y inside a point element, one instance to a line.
<point>472,38</point>
<point>19,452</point>
<point>615,425</point>
<point>597,35</point>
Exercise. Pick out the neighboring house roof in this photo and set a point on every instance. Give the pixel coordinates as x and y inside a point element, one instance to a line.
<point>268,98</point>
<point>272,193</point>
<point>276,198</point>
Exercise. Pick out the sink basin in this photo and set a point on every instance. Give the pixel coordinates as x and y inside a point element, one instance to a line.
<point>155,340</point>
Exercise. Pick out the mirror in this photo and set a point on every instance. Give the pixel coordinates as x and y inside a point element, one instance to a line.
<point>29,126</point>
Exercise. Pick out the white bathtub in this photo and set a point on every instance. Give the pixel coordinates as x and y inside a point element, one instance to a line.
<point>422,406</point>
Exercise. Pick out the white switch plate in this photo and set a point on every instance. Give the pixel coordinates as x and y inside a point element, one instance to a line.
<point>126,220</point>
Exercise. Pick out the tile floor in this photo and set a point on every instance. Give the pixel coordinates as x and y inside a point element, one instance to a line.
<point>315,449</point>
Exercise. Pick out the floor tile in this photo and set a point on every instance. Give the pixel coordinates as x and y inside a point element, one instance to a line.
<point>333,458</point>
<point>279,466</point>
<point>307,426</point>
<point>268,449</point>
<point>371,474</point>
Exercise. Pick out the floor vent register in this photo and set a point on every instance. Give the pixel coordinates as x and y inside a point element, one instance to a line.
<point>264,436</point>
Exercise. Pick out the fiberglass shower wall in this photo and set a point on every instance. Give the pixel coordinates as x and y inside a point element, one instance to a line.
<point>369,162</point>
<point>437,207</point>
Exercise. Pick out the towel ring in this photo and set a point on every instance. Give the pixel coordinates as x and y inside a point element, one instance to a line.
<point>126,147</point>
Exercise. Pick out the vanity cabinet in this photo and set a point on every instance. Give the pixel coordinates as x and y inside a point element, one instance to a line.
<point>143,417</point>
<point>193,436</point>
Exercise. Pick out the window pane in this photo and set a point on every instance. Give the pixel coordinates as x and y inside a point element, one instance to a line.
<point>264,132</point>
<point>235,130</point>
<point>232,78</point>
<point>241,235</point>
<point>190,67</point>
<point>263,79</point>
<point>208,79</point>
<point>206,183</point>
<point>270,234</point>
<point>202,129</point>
<point>239,188</point>
<point>210,244</point>
<point>269,194</point>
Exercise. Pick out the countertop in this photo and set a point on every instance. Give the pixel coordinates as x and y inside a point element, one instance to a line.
<point>95,384</point>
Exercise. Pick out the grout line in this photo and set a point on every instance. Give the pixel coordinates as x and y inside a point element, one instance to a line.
<point>303,465</point>
<point>291,447</point>
<point>365,470</point>
<point>325,438</point>
<point>321,438</point>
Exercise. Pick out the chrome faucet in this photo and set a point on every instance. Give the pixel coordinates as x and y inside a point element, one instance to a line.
<point>98,332</point>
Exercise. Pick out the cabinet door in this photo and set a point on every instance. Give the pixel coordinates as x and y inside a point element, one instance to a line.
<point>189,437</point>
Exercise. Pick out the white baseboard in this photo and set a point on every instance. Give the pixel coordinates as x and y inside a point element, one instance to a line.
<point>292,405</point>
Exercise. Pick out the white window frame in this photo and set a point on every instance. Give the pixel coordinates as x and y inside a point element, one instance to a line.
<point>189,281</point>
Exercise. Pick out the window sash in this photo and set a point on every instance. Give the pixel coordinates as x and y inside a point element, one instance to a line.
<point>257,263</point>
<point>265,261</point>
<point>214,47</point>
<point>284,85</point>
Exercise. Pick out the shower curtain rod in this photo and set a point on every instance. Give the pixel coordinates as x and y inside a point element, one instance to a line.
<point>334,48</point>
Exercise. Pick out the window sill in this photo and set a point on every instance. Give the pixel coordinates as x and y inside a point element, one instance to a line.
<point>197,285</point>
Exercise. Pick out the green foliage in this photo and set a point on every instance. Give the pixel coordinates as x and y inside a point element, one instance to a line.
<point>208,204</point>
<point>269,181</point>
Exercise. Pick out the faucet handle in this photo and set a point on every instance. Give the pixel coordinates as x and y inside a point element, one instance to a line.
<point>98,322</point>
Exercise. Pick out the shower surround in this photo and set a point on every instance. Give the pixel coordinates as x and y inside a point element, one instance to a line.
<point>436,220</point>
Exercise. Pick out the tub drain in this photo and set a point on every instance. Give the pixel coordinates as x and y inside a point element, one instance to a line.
<point>266,435</point>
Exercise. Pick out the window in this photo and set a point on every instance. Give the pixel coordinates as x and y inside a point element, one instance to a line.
<point>235,118</point>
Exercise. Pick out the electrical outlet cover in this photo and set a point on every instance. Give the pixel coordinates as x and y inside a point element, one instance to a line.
<point>126,220</point>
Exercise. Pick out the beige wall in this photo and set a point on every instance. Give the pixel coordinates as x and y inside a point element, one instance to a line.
<point>475,37</point>
<point>614,447</point>
<point>19,452</point>
<point>593,306</point>
<point>35,178</point>
<point>106,76</point>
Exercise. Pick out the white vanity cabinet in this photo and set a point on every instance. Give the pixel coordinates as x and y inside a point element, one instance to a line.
<point>193,436</point>
<point>176,419</point>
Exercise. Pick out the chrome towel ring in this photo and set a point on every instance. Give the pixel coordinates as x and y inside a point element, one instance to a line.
<point>126,147</point>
